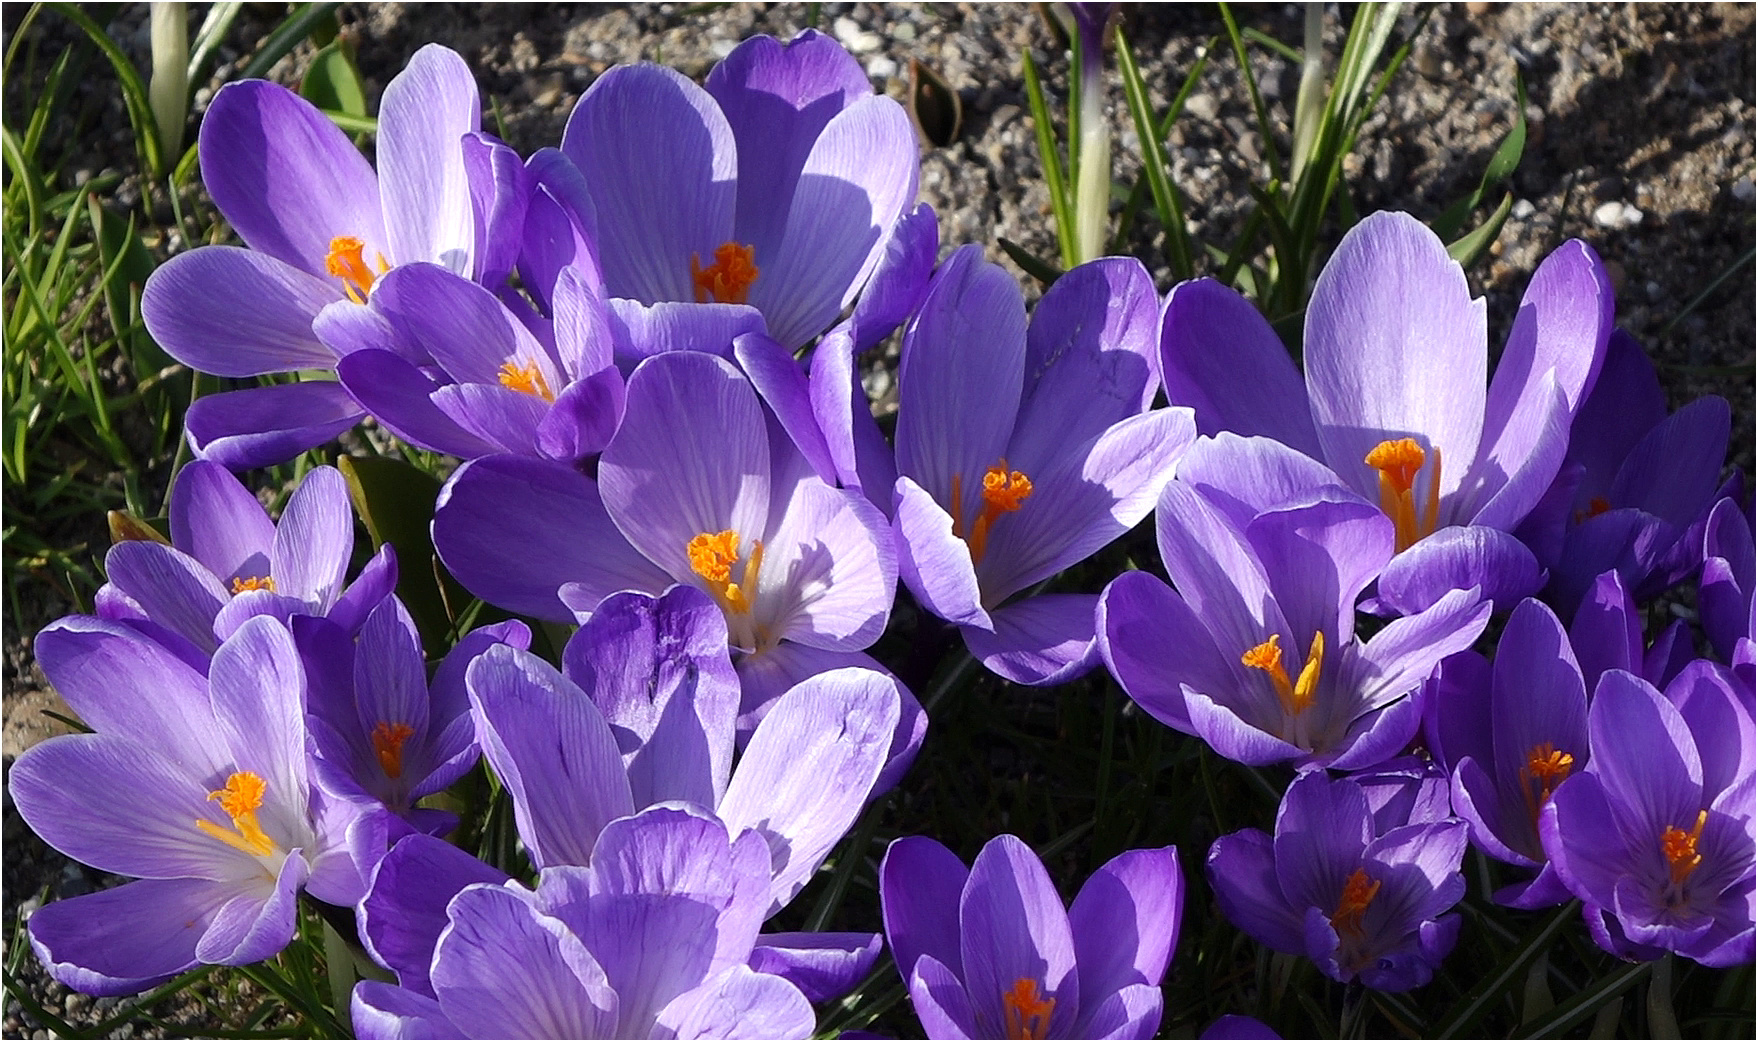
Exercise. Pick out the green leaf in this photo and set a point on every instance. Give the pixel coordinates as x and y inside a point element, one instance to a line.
<point>333,83</point>
<point>1055,178</point>
<point>1497,986</point>
<point>1038,268</point>
<point>396,501</point>
<point>1153,153</point>
<point>1470,249</point>
<point>1588,1001</point>
<point>134,92</point>
<point>304,20</point>
<point>1500,167</point>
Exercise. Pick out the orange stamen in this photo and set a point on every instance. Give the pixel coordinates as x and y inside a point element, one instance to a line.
<point>1298,695</point>
<point>1680,848</point>
<point>728,280</point>
<point>712,556</point>
<point>1399,462</point>
<point>258,583</point>
<point>387,745</point>
<point>526,379</point>
<point>1545,768</point>
<point>240,799</point>
<point>1027,1010</point>
<point>1358,893</point>
<point>346,261</point>
<point>1004,491</point>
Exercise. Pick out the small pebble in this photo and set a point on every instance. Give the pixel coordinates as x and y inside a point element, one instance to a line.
<point>1202,106</point>
<point>1743,189</point>
<point>880,67</point>
<point>1616,215</point>
<point>721,48</point>
<point>1523,209</point>
<point>903,32</point>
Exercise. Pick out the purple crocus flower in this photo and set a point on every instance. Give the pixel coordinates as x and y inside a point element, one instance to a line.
<point>1362,896</point>
<point>227,561</point>
<point>1396,365</point>
<point>1256,651</point>
<point>321,227</point>
<point>1656,834</point>
<point>990,951</point>
<point>701,487</point>
<point>380,733</point>
<point>775,186</point>
<point>1724,593</point>
<point>1511,733</point>
<point>197,785</point>
<point>651,939</point>
<point>1023,451</point>
<point>1636,487</point>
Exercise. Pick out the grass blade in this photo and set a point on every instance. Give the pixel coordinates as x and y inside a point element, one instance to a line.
<point>1499,984</point>
<point>1153,158</point>
<point>1055,179</point>
<point>134,93</point>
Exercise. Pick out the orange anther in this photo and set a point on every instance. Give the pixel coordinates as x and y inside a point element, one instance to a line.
<point>346,261</point>
<point>263,582</point>
<point>1680,848</point>
<point>387,745</point>
<point>240,799</point>
<point>728,280</point>
<point>526,379</point>
<point>1027,1010</point>
<point>1358,893</point>
<point>1399,461</point>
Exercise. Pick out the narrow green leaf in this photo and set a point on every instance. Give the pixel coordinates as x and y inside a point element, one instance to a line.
<point>1154,163</point>
<point>1055,178</point>
<point>333,83</point>
<point>297,27</point>
<point>1265,128</point>
<point>1037,268</point>
<point>1588,1001</point>
<point>1471,248</point>
<point>1496,986</point>
<point>134,93</point>
<point>213,30</point>
<point>396,502</point>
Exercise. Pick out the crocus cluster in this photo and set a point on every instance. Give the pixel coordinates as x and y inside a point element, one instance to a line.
<point>607,336</point>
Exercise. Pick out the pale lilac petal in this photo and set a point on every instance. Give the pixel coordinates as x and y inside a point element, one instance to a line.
<point>258,689</point>
<point>739,1003</point>
<point>857,180</point>
<point>262,426</point>
<point>920,884</point>
<point>172,588</point>
<point>1215,572</point>
<point>1125,922</point>
<point>1133,1011</point>
<point>829,570</point>
<point>500,190</point>
<point>1040,641</point>
<point>1319,553</point>
<point>1013,925</point>
<point>1503,489</point>
<point>1707,696</point>
<point>823,966</point>
<point>126,939</point>
<point>462,325</point>
<point>1229,733</point>
<point>1220,357</point>
<point>375,582</point>
<point>496,415</point>
<point>582,323</point>
<point>900,280</point>
<point>659,161</point>
<point>859,452</point>
<point>1644,753</point>
<point>404,911</point>
<point>424,114</point>
<point>1405,653</point>
<point>583,418</point>
<point>552,516</point>
<point>552,749</point>
<point>640,330</point>
<point>314,539</point>
<point>253,926</point>
<point>383,1011</point>
<point>960,377</point>
<point>942,1004</point>
<point>691,457</point>
<point>503,969</point>
<point>1155,645</point>
<point>286,178</point>
<point>659,671</point>
<point>934,563</point>
<point>1395,347</point>
<point>1499,566</point>
<point>398,395</point>
<point>235,312</point>
<point>346,327</point>
<point>808,768</point>
<point>1245,477</point>
<point>782,384</point>
<point>216,520</point>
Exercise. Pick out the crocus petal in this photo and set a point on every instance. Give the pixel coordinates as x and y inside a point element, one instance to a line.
<point>640,330</point>
<point>1395,347</point>
<point>934,563</point>
<point>1643,753</point>
<point>253,926</point>
<point>1606,632</point>
<point>258,690</point>
<point>583,418</point>
<point>829,570</point>
<point>854,184</point>
<point>824,966</point>
<point>1132,1011</point>
<point>1013,926</point>
<point>500,190</point>
<point>126,939</point>
<point>1538,700</point>
<point>1322,828</point>
<point>1242,871</point>
<point>1319,553</point>
<point>346,327</point>
<point>781,382</point>
<point>1215,571</point>
<point>862,458</point>
<point>1039,641</point>
<point>497,415</point>
<point>900,280</point>
<point>404,911</point>
<point>1245,477</point>
<point>1406,652</point>
<point>1235,1025</point>
<point>170,586</point>
<point>659,161</point>
<point>1125,921</point>
<point>658,670</point>
<point>960,377</point>
<point>1560,330</point>
<point>941,1003</point>
<point>216,520</point>
<point>383,1011</point>
<point>1708,698</point>
<point>287,178</point>
<point>920,883</point>
<point>262,426</point>
<point>314,539</point>
<point>1503,490</point>
<point>1219,356</point>
<point>234,312</point>
<point>1724,595</point>
<point>1498,565</point>
<point>462,325</point>
<point>552,516</point>
<point>552,749</point>
<point>808,768</point>
<point>691,457</point>
<point>1155,645</point>
<point>503,969</point>
<point>739,1003</point>
<point>398,395</point>
<point>425,112</point>
<point>1231,735</point>
<point>1672,472</point>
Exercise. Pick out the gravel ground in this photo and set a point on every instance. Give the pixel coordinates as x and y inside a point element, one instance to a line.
<point>1640,142</point>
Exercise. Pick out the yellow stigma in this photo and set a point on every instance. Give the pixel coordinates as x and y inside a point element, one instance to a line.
<point>526,379</point>
<point>240,799</point>
<point>1545,768</point>
<point>712,556</point>
<point>1004,491</point>
<point>1027,1010</point>
<point>1297,695</point>
<point>728,280</point>
<point>1358,893</point>
<point>1680,848</point>
<point>346,261</point>
<point>387,745</point>
<point>1398,463</point>
<point>262,582</point>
